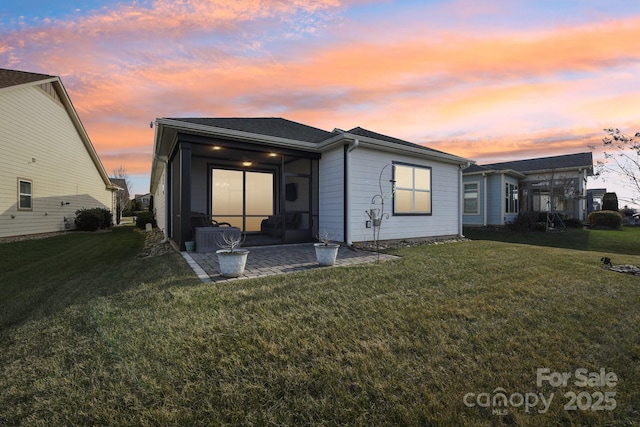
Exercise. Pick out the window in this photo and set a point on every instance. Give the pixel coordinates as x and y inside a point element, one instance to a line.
<point>412,190</point>
<point>511,198</point>
<point>25,194</point>
<point>241,198</point>
<point>471,198</point>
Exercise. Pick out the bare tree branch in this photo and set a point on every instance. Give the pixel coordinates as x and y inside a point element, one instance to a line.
<point>622,158</point>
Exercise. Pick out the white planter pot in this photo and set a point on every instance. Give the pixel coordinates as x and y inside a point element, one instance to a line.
<point>326,254</point>
<point>232,263</point>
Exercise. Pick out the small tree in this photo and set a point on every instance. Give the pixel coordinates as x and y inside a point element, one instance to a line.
<point>610,202</point>
<point>622,157</point>
<point>122,196</point>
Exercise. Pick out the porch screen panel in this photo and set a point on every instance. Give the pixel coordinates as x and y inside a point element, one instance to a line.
<point>241,198</point>
<point>259,198</point>
<point>227,196</point>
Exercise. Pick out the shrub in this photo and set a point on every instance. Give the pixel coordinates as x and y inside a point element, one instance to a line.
<point>144,217</point>
<point>524,221</point>
<point>573,222</point>
<point>93,219</point>
<point>610,202</point>
<point>609,219</point>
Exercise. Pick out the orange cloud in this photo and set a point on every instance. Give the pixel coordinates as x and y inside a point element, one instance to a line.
<point>520,146</point>
<point>476,94</point>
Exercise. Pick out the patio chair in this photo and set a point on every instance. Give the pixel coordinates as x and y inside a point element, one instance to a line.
<point>273,225</point>
<point>205,230</point>
<point>199,219</point>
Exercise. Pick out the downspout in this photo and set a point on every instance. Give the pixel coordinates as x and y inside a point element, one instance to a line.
<point>347,192</point>
<point>461,198</point>
<point>484,199</point>
<point>166,203</point>
<point>503,211</point>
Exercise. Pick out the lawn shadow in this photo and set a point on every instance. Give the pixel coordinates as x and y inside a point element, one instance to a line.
<point>40,278</point>
<point>624,241</point>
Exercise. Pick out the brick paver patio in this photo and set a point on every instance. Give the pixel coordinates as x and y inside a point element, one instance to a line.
<point>281,259</point>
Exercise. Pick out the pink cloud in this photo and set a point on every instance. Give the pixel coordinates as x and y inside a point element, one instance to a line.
<point>476,94</point>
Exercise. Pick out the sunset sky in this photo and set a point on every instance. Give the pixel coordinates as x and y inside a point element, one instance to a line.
<point>490,80</point>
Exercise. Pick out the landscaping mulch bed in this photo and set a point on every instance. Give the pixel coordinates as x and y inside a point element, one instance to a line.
<point>154,244</point>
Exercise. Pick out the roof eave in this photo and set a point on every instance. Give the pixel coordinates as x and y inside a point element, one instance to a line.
<point>167,129</point>
<point>589,169</point>
<point>237,135</point>
<point>400,148</point>
<point>496,171</point>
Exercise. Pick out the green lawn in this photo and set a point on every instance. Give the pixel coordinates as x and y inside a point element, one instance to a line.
<point>90,334</point>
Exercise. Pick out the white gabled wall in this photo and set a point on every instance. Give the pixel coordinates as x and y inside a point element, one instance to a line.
<point>331,200</point>
<point>35,126</point>
<point>366,166</point>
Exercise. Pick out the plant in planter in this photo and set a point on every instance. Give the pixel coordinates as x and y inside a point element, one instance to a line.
<point>231,258</point>
<point>326,251</point>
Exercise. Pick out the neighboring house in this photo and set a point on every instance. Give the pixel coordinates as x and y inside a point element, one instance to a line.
<point>495,193</point>
<point>144,200</point>
<point>283,182</point>
<point>594,199</point>
<point>48,167</point>
<point>121,193</point>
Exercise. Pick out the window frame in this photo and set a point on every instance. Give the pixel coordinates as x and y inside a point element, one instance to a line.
<point>413,190</point>
<point>511,198</point>
<point>21,194</point>
<point>464,198</point>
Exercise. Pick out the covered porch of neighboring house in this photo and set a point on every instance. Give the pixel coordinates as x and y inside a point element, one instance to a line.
<point>268,193</point>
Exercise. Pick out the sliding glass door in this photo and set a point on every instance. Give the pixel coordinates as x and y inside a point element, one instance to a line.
<point>241,198</point>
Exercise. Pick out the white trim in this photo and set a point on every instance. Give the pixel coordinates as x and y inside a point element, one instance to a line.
<point>477,184</point>
<point>20,194</point>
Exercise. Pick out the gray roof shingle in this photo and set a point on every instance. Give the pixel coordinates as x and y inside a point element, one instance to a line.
<point>10,78</point>
<point>545,163</point>
<point>271,126</point>
<point>369,134</point>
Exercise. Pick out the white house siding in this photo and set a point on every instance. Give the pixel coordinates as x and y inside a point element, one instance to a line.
<point>495,199</point>
<point>331,209</point>
<point>160,202</point>
<point>366,167</point>
<point>39,142</point>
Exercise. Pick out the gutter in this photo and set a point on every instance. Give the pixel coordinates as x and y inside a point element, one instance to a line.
<point>423,152</point>
<point>461,198</point>
<point>484,199</point>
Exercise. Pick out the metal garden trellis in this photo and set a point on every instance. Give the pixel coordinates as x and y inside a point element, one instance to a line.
<point>376,215</point>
